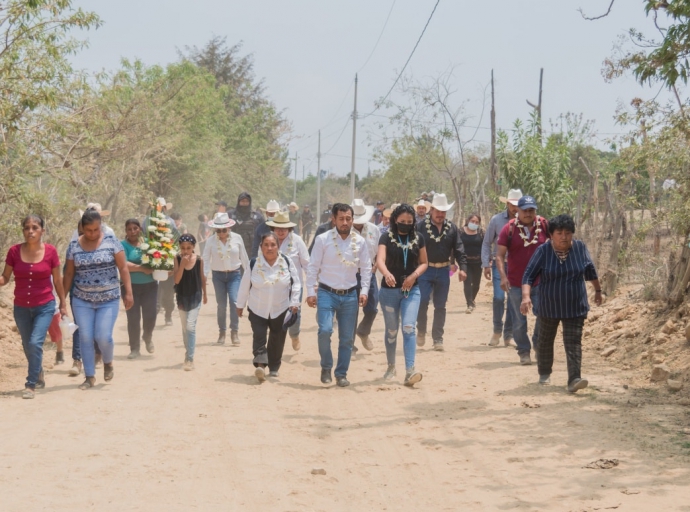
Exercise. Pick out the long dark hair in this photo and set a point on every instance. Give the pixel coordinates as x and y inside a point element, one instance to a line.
<point>399,210</point>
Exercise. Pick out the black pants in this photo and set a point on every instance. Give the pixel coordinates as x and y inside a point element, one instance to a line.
<point>473,281</point>
<point>144,307</point>
<point>166,297</point>
<point>268,340</point>
<point>572,342</point>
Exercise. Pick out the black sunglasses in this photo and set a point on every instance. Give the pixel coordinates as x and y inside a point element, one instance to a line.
<point>224,230</point>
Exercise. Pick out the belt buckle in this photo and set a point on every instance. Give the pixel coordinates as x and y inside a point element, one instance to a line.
<point>340,292</point>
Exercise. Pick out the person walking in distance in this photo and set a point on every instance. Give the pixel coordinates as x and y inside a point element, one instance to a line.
<point>337,256</point>
<point>491,272</point>
<point>246,220</point>
<point>307,218</point>
<point>472,236</point>
<point>443,247</point>
<point>295,216</point>
<point>190,292</point>
<point>401,259</point>
<point>223,256</point>
<point>261,229</point>
<point>517,242</point>
<point>371,234</point>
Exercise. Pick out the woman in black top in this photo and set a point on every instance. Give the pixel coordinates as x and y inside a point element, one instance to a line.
<point>401,259</point>
<point>190,291</point>
<point>472,236</point>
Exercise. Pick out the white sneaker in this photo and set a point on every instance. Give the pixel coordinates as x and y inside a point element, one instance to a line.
<point>495,338</point>
<point>260,374</point>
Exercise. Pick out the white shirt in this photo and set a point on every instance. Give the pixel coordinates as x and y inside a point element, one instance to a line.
<point>339,271</point>
<point>263,298</point>
<point>371,234</point>
<point>294,247</point>
<point>224,257</point>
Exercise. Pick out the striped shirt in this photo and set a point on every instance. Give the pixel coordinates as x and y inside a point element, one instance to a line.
<point>562,290</point>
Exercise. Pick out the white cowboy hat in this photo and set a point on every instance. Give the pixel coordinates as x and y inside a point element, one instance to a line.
<point>161,202</point>
<point>425,204</point>
<point>281,220</point>
<point>272,207</point>
<point>221,220</point>
<point>362,212</point>
<point>514,195</point>
<point>440,203</point>
<point>293,205</point>
<point>97,207</point>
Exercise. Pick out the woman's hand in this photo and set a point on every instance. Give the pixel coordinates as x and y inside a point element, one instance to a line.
<point>390,279</point>
<point>526,305</point>
<point>240,311</point>
<point>294,310</point>
<point>147,270</point>
<point>462,276</point>
<point>408,283</point>
<point>205,299</point>
<point>63,311</point>
<point>128,300</point>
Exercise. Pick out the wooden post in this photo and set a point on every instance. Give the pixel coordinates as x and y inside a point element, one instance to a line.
<point>494,165</point>
<point>537,107</point>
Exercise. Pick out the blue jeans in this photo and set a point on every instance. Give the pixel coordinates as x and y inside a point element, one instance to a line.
<point>76,350</point>
<point>520,334</point>
<point>96,321</point>
<point>344,308</point>
<point>397,308</point>
<point>188,321</point>
<point>227,285</point>
<point>436,280</point>
<point>370,310</point>
<point>33,324</point>
<point>500,306</point>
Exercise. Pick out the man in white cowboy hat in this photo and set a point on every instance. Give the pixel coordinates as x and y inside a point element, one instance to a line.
<point>271,209</point>
<point>224,257</point>
<point>293,208</point>
<point>443,248</point>
<point>491,270</point>
<point>371,234</point>
<point>422,208</point>
<point>338,255</point>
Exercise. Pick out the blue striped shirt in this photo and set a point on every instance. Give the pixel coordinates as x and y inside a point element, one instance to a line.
<point>562,290</point>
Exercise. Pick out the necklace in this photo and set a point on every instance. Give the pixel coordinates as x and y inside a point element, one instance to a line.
<point>281,272</point>
<point>353,247</point>
<point>525,237</point>
<point>223,252</point>
<point>290,244</point>
<point>437,239</point>
<point>408,245</point>
<point>562,255</point>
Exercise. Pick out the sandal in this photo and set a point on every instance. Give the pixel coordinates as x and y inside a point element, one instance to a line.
<point>108,372</point>
<point>88,383</point>
<point>41,381</point>
<point>28,393</point>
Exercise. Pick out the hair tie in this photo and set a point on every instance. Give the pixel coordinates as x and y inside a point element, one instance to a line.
<point>187,238</point>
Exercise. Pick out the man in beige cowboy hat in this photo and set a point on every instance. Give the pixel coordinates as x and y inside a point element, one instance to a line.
<point>371,234</point>
<point>293,208</point>
<point>491,270</point>
<point>443,247</point>
<point>422,208</point>
<point>271,209</point>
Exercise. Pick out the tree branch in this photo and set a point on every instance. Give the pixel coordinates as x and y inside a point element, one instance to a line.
<point>608,11</point>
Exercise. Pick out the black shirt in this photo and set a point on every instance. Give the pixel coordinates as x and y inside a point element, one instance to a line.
<point>472,245</point>
<point>395,257</point>
<point>326,226</point>
<point>450,247</point>
<point>188,290</point>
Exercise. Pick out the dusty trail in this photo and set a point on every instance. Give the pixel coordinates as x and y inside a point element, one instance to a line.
<point>476,434</point>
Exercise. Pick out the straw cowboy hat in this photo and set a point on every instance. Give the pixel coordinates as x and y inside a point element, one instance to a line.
<point>162,203</point>
<point>362,211</point>
<point>272,207</point>
<point>281,220</point>
<point>440,203</point>
<point>514,195</point>
<point>389,211</point>
<point>425,204</point>
<point>293,206</point>
<point>221,220</point>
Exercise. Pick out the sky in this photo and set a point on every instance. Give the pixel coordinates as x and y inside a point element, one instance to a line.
<point>308,52</point>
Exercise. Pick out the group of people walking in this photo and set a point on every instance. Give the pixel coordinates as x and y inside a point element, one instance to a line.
<point>416,249</point>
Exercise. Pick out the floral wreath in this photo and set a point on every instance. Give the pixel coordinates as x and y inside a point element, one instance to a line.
<point>446,227</point>
<point>353,246</point>
<point>409,245</point>
<point>223,250</point>
<point>282,271</point>
<point>524,237</point>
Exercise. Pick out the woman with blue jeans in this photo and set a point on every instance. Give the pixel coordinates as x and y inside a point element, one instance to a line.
<point>224,256</point>
<point>93,261</point>
<point>33,264</point>
<point>401,259</point>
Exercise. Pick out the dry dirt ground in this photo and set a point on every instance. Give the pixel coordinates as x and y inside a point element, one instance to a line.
<point>477,433</point>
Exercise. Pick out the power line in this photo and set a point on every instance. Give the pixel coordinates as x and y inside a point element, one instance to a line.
<point>408,59</point>
<point>379,39</point>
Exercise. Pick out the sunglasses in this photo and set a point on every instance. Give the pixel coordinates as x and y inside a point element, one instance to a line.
<point>224,230</point>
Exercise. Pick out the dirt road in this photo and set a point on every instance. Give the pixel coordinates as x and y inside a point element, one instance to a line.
<point>476,434</point>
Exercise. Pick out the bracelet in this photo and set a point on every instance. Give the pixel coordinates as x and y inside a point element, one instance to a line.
<point>597,291</point>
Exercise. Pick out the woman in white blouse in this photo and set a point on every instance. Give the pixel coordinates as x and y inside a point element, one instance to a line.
<point>223,256</point>
<point>269,289</point>
<point>293,246</point>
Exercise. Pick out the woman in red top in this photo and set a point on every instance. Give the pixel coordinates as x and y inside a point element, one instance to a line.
<point>33,264</point>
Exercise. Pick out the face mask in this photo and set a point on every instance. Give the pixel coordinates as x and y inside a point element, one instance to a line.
<point>473,226</point>
<point>405,229</point>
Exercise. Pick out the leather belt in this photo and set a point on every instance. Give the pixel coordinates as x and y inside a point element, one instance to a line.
<point>440,265</point>
<point>337,292</point>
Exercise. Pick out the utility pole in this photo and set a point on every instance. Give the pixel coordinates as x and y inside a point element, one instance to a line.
<point>294,190</point>
<point>318,178</point>
<point>354,140</point>
<point>494,166</point>
<point>302,172</point>
<point>537,107</point>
